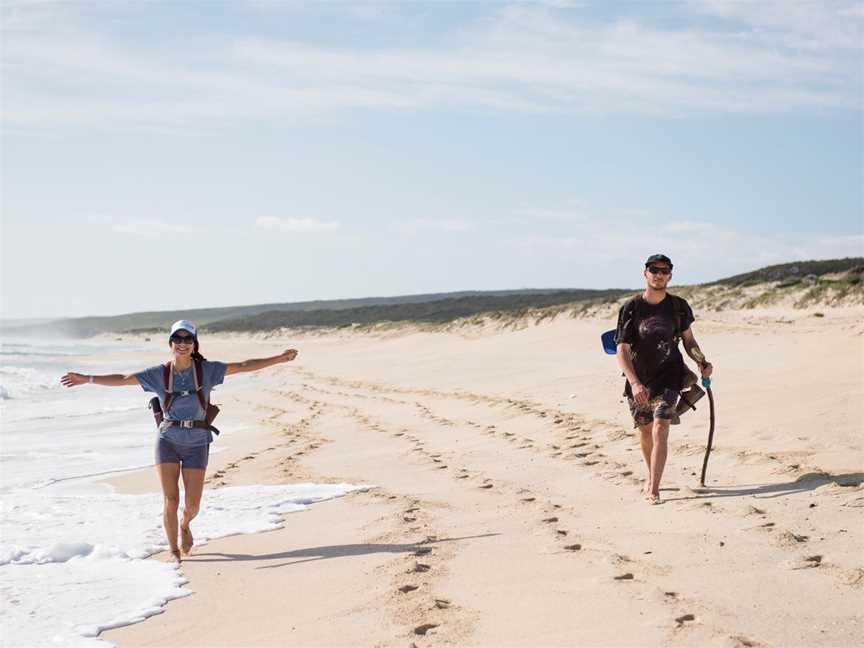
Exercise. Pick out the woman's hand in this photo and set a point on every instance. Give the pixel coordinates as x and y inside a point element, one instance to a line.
<point>72,379</point>
<point>707,369</point>
<point>288,356</point>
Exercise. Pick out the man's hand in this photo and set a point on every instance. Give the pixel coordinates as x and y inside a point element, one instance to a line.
<point>640,393</point>
<point>707,369</point>
<point>288,356</point>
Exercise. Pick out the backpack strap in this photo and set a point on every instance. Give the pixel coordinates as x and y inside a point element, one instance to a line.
<point>168,375</point>
<point>678,309</point>
<point>197,378</point>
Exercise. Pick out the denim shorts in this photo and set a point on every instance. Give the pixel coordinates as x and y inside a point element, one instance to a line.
<point>186,456</point>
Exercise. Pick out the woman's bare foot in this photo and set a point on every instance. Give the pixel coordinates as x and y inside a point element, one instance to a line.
<point>175,553</point>
<point>186,540</point>
<point>652,498</point>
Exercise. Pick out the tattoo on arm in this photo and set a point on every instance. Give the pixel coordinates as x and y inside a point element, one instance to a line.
<point>696,353</point>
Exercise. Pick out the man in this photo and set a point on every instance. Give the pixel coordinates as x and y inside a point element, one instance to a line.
<point>649,328</point>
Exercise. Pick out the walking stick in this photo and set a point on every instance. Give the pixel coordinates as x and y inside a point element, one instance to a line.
<point>706,383</point>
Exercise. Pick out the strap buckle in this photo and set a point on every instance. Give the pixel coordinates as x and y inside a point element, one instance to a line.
<point>186,424</point>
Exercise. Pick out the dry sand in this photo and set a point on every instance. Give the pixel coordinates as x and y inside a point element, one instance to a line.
<point>507,509</point>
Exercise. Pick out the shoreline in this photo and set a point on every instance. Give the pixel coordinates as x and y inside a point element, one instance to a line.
<point>507,489</point>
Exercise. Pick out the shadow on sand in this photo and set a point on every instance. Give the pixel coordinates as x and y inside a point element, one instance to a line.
<point>332,551</point>
<point>808,482</point>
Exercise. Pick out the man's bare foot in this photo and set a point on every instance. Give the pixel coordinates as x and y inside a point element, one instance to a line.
<point>186,540</point>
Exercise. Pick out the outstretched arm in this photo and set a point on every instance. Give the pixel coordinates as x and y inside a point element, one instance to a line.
<point>73,379</point>
<point>693,350</point>
<point>260,363</point>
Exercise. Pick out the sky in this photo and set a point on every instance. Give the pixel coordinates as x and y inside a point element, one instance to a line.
<point>169,155</point>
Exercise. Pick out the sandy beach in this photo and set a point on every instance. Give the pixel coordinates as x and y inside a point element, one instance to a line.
<point>507,510</point>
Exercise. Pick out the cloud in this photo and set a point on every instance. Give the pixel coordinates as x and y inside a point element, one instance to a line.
<point>827,24</point>
<point>750,58</point>
<point>366,10</point>
<point>150,228</point>
<point>693,245</point>
<point>294,224</point>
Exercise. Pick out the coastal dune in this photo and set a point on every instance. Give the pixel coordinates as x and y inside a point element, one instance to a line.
<point>505,506</point>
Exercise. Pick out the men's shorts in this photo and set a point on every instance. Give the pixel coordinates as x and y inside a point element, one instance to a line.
<point>187,456</point>
<point>659,407</point>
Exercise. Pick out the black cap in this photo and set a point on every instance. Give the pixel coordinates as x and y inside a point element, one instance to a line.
<point>654,258</point>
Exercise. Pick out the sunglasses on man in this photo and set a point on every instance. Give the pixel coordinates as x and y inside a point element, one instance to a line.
<point>659,270</point>
<point>182,339</point>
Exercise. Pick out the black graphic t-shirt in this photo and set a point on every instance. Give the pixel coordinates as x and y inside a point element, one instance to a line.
<point>649,329</point>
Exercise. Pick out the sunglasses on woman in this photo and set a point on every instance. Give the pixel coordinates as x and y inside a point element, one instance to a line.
<point>182,339</point>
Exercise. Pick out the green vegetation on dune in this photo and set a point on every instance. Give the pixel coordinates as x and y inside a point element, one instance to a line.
<point>790,273</point>
<point>800,284</point>
<point>438,312</point>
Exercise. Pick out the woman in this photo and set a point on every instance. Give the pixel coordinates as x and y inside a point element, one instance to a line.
<point>181,450</point>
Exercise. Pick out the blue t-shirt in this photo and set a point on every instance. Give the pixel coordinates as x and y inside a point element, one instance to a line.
<point>184,407</point>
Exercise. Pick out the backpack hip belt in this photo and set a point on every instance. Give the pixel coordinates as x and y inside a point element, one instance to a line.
<point>187,424</point>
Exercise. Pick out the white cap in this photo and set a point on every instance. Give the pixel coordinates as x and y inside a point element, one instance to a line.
<point>184,325</point>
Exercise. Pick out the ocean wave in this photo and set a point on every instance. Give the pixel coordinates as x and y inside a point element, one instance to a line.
<point>17,382</point>
<point>119,409</point>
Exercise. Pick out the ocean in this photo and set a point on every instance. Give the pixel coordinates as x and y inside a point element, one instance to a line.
<point>74,554</point>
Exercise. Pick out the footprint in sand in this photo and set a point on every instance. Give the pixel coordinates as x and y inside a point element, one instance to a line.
<point>561,533</point>
<point>623,577</point>
<point>684,618</point>
<point>550,520</point>
<point>423,551</point>
<point>442,604</point>
<point>854,577</point>
<point>809,562</point>
<point>789,539</point>
<point>529,499</point>
<point>420,568</point>
<point>423,629</point>
<point>573,547</point>
<point>408,588</point>
<point>486,486</point>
